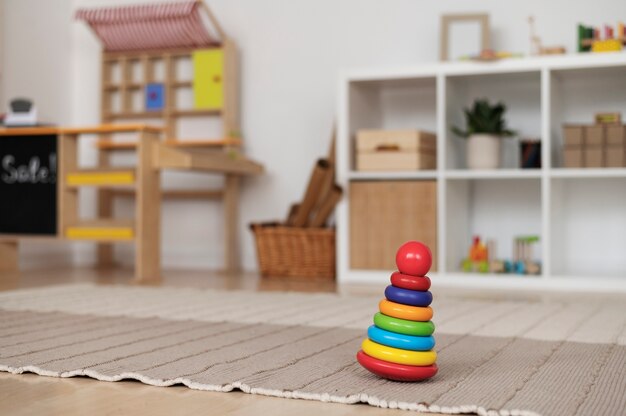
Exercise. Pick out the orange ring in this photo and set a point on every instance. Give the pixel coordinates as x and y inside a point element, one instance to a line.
<point>411,313</point>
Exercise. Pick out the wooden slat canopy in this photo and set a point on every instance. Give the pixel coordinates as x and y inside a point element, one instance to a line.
<point>152,26</point>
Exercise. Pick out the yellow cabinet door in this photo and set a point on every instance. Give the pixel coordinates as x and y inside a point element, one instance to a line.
<point>208,85</point>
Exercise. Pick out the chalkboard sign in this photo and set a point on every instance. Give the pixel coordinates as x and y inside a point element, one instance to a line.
<point>28,176</point>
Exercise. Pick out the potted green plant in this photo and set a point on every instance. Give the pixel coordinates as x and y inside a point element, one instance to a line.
<point>485,128</point>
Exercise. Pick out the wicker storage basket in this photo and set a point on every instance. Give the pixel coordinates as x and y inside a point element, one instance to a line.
<point>294,251</point>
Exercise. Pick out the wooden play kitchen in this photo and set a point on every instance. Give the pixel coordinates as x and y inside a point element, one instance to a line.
<point>137,68</point>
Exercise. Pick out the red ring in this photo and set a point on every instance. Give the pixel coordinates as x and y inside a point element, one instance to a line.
<point>405,281</point>
<point>397,372</point>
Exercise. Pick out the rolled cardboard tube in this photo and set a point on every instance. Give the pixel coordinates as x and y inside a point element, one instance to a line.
<point>329,179</point>
<point>293,209</point>
<point>312,193</point>
<point>327,207</point>
<point>325,188</point>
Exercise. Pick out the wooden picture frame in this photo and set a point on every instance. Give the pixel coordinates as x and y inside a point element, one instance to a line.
<point>448,19</point>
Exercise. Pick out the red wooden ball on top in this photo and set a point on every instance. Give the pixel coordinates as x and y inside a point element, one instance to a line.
<point>414,258</point>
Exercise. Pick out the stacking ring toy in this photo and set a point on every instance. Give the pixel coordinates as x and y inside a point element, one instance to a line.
<point>408,297</point>
<point>398,356</point>
<point>406,281</point>
<point>393,371</point>
<point>402,326</point>
<point>405,342</point>
<point>411,313</point>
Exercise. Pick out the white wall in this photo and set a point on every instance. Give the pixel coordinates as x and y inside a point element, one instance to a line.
<point>291,54</point>
<point>36,64</point>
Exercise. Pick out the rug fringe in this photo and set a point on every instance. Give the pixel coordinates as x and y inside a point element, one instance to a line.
<point>286,394</point>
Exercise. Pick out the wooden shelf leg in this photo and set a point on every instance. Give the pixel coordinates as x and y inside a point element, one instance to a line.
<point>148,212</point>
<point>8,256</point>
<point>68,198</point>
<point>105,211</point>
<point>231,217</point>
<point>105,196</point>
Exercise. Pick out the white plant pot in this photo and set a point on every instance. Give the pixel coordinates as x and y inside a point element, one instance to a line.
<point>483,151</point>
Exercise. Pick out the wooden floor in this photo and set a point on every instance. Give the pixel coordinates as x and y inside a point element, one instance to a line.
<point>31,394</point>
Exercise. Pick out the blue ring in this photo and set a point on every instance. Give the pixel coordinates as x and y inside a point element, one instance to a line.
<point>405,342</point>
<point>408,297</point>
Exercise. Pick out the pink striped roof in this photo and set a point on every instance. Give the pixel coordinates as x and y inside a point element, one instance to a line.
<point>149,26</point>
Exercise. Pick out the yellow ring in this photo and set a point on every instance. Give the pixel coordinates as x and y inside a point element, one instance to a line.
<point>398,356</point>
<point>411,313</point>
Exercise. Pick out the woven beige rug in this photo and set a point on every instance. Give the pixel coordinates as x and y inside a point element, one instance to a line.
<point>495,357</point>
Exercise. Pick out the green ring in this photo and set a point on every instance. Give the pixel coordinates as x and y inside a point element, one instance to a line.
<point>403,326</point>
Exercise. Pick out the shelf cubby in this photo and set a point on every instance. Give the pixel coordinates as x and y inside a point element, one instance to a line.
<point>392,104</point>
<point>577,94</point>
<point>588,227</point>
<point>521,93</point>
<point>497,209</point>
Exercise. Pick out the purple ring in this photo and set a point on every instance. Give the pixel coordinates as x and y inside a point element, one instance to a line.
<point>408,297</point>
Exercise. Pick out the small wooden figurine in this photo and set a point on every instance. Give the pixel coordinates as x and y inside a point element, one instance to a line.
<point>536,44</point>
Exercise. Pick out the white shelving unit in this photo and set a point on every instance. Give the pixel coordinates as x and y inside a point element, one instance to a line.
<point>580,214</point>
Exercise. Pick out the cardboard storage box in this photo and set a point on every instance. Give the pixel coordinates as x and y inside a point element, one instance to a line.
<point>573,157</point>
<point>616,135</point>
<point>573,135</point>
<point>386,214</point>
<point>594,146</point>
<point>385,150</point>
<point>594,156</point>
<point>594,135</point>
<point>615,156</point>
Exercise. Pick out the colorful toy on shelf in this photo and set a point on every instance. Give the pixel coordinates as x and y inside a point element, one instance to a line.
<point>478,251</point>
<point>523,258</point>
<point>399,346</point>
<point>481,258</point>
<point>589,39</point>
<point>608,118</point>
<point>478,257</point>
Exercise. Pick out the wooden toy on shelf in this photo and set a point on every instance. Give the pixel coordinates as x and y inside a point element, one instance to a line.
<point>608,118</point>
<point>538,48</point>
<point>523,255</point>
<point>589,39</point>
